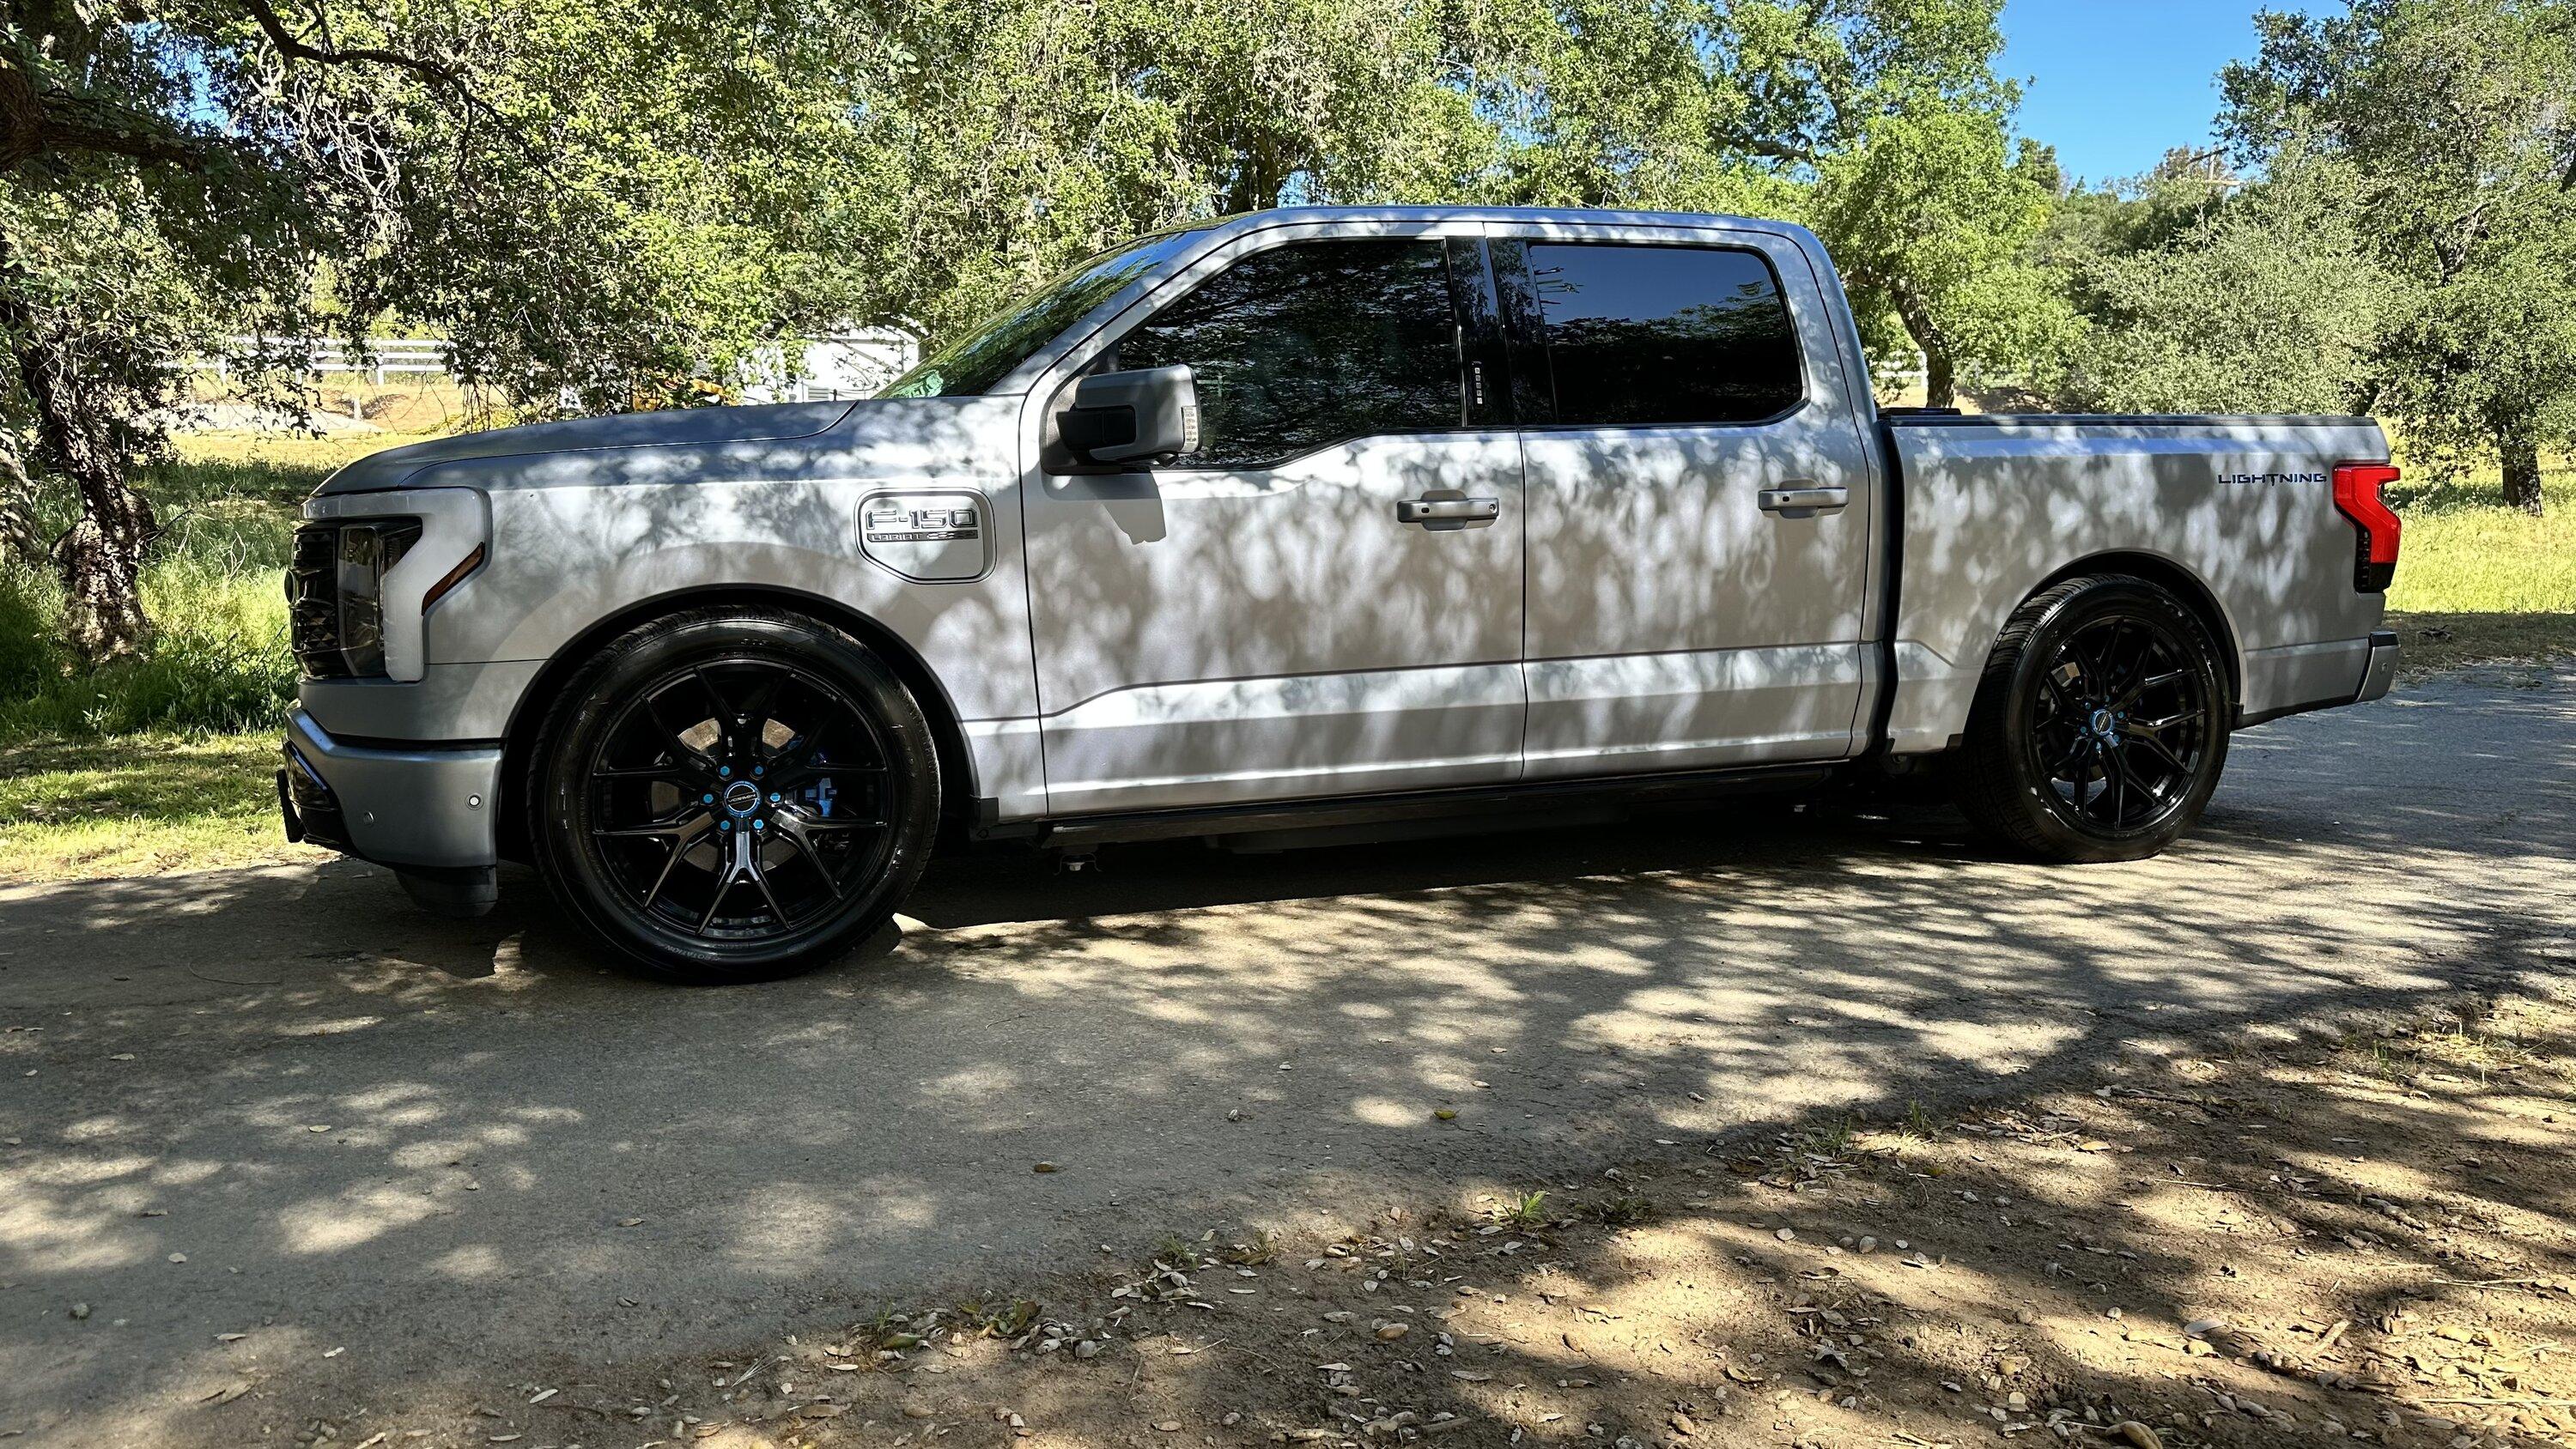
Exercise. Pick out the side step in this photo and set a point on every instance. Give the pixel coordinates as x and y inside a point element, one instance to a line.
<point>1082,832</point>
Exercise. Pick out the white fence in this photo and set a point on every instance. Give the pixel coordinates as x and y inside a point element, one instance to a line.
<point>835,366</point>
<point>379,359</point>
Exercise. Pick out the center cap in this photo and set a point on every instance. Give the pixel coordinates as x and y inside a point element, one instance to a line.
<point>2102,725</point>
<point>741,797</point>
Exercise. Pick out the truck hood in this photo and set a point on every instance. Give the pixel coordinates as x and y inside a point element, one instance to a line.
<point>623,436</point>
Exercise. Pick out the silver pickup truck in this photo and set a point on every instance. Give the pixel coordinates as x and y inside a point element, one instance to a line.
<point>1300,518</point>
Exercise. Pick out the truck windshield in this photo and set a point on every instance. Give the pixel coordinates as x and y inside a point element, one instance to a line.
<point>984,356</point>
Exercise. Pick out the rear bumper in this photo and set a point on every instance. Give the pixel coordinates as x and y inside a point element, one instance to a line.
<point>2382,669</point>
<point>2316,688</point>
<point>414,805</point>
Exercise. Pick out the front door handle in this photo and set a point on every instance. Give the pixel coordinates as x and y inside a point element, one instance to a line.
<point>1805,501</point>
<point>1448,512</point>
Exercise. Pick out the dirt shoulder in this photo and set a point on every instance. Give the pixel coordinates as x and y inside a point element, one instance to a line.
<point>2297,1242</point>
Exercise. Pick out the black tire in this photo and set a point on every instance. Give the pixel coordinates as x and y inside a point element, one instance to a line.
<point>643,828</point>
<point>2100,724</point>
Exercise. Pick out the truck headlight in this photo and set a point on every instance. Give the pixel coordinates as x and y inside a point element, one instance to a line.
<point>335,594</point>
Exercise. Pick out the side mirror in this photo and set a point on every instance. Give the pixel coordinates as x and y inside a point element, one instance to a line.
<point>1127,417</point>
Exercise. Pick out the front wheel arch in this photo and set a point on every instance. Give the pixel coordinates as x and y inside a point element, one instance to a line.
<point>527,718</point>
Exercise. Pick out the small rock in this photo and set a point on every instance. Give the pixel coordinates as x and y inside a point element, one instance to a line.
<point>1167,1426</point>
<point>80,1311</point>
<point>1042,1167</point>
<point>1390,1332</point>
<point>178,1257</point>
<point>1786,1235</point>
<point>2136,1435</point>
<point>1088,1348</point>
<point>1447,1114</point>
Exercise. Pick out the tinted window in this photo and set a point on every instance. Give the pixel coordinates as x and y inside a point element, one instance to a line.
<point>1309,345</point>
<point>1639,334</point>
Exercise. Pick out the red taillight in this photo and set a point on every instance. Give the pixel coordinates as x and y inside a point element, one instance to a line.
<point>2356,493</point>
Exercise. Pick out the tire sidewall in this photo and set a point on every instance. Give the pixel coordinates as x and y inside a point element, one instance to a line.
<point>558,827</point>
<point>2094,600</point>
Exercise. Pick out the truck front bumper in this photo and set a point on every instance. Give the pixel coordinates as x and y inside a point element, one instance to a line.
<point>416,807</point>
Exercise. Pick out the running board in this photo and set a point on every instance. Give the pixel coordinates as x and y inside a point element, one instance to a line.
<point>1081,832</point>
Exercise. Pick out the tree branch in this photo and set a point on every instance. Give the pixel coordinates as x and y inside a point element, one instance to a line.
<point>294,48</point>
<point>36,122</point>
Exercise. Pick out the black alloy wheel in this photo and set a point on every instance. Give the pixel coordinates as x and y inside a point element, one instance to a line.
<point>2119,723</point>
<point>2100,726</point>
<point>733,795</point>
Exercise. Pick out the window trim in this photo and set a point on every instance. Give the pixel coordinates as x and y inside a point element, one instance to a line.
<point>1074,359</point>
<point>1527,331</point>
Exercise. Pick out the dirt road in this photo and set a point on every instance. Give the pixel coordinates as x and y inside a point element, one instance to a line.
<point>280,1103</point>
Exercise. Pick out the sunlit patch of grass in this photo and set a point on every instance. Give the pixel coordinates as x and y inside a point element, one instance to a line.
<point>2480,583</point>
<point>139,805</point>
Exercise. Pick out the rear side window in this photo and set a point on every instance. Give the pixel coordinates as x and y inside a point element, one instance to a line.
<point>1645,335</point>
<point>1311,344</point>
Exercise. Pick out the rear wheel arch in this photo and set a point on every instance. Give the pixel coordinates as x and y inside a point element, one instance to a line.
<point>527,718</point>
<point>2182,583</point>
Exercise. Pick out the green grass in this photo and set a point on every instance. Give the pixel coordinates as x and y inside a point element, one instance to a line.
<point>165,762</point>
<point>219,660</point>
<point>2478,582</point>
<point>140,804</point>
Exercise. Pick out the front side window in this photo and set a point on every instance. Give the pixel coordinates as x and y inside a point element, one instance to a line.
<point>1308,345</point>
<point>1648,335</point>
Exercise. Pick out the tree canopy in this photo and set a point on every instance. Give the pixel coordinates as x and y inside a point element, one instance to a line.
<point>618,203</point>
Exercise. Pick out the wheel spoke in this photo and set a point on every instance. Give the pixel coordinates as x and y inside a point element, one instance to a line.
<point>673,734</point>
<point>2157,747</point>
<point>643,772</point>
<point>760,878</point>
<point>795,829</point>
<point>715,903</point>
<point>2152,681</point>
<point>687,826</point>
<point>653,892</point>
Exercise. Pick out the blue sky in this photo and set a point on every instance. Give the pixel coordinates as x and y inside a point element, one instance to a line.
<point>2112,83</point>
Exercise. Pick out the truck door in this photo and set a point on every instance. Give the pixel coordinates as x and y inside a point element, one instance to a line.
<point>1325,598</point>
<point>1699,499</point>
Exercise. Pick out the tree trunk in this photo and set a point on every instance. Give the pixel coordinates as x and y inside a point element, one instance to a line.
<point>2521,451</point>
<point>1940,384</point>
<point>18,536</point>
<point>101,559</point>
<point>1940,369</point>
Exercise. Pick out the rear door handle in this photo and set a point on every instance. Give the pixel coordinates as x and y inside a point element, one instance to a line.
<point>1452,512</point>
<point>1805,501</point>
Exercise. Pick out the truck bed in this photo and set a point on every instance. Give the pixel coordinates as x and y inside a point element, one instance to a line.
<point>2236,513</point>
